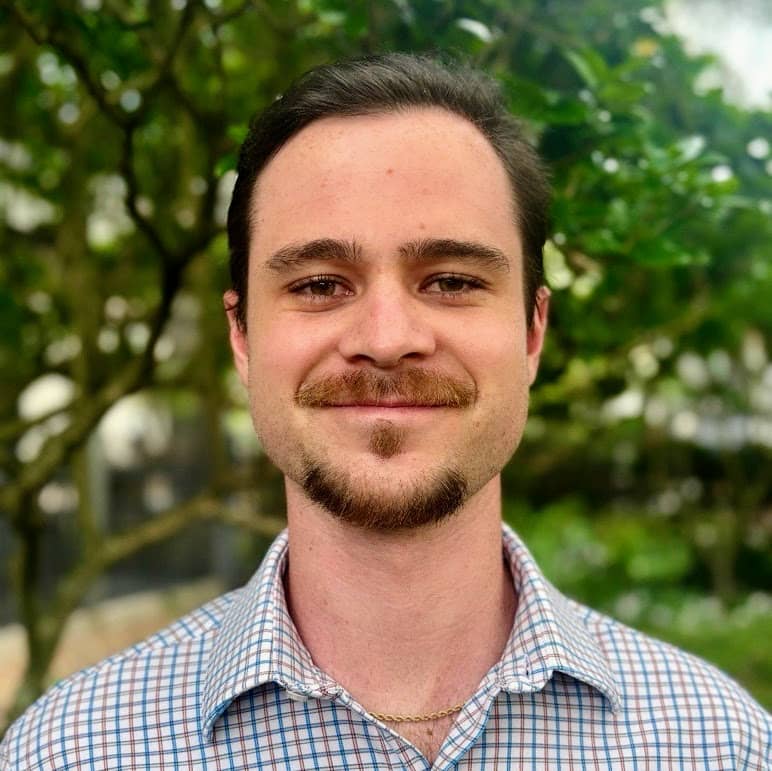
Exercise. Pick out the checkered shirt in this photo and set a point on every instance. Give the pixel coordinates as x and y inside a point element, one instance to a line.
<point>231,686</point>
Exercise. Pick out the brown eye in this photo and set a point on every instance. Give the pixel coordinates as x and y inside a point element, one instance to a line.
<point>320,290</point>
<point>324,287</point>
<point>451,284</point>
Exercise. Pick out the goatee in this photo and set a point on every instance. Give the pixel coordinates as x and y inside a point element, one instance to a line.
<point>441,497</point>
<point>386,439</point>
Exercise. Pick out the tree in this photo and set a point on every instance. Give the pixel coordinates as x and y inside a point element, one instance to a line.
<point>116,158</point>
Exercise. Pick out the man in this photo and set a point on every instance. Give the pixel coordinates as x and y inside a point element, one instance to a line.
<point>387,316</point>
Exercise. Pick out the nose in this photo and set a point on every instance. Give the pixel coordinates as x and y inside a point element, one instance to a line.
<point>389,326</point>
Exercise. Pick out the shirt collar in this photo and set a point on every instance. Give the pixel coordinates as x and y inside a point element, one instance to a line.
<point>257,641</point>
<point>550,634</point>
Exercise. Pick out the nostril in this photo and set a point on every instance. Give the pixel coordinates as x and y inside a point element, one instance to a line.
<point>388,334</point>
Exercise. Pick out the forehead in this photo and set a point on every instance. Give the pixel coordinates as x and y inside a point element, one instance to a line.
<point>387,176</point>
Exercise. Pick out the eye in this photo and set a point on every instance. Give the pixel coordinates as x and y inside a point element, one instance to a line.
<point>320,288</point>
<point>452,284</point>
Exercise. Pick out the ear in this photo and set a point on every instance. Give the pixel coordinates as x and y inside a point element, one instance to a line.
<point>238,337</point>
<point>537,331</point>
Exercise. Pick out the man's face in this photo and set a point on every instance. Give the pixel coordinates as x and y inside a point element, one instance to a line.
<point>387,355</point>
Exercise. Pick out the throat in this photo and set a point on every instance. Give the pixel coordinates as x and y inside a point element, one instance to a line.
<point>424,622</point>
<point>408,624</point>
<point>427,737</point>
<point>412,653</point>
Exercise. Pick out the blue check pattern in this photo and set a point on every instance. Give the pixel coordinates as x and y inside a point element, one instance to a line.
<point>231,686</point>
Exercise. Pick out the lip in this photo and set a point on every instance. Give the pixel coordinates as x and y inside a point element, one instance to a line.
<point>382,410</point>
<point>385,405</point>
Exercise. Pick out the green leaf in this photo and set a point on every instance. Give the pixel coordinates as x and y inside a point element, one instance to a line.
<point>225,163</point>
<point>589,65</point>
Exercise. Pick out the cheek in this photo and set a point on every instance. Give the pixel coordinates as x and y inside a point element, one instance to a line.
<point>283,354</point>
<point>500,355</point>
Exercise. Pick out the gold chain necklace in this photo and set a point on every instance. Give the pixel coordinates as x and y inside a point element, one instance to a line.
<point>416,718</point>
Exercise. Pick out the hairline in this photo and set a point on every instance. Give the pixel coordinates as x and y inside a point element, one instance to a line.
<point>387,84</point>
<point>400,109</point>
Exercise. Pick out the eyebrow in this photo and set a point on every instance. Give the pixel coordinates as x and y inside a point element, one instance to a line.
<point>297,255</point>
<point>435,249</point>
<point>425,250</point>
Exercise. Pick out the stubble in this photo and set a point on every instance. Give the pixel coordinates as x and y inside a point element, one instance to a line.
<point>430,501</point>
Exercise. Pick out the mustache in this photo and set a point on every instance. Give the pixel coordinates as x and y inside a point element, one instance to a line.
<point>420,387</point>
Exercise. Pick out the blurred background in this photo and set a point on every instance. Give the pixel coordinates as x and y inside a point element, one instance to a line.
<point>132,487</point>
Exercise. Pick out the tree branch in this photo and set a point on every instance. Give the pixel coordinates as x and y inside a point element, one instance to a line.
<point>59,41</point>
<point>15,428</point>
<point>48,628</point>
<point>136,375</point>
<point>205,507</point>
<point>143,224</point>
<point>163,72</point>
<point>217,20</point>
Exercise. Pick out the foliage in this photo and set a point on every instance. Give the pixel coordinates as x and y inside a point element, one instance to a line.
<point>653,417</point>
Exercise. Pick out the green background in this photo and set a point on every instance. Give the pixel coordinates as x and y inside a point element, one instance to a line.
<point>643,482</point>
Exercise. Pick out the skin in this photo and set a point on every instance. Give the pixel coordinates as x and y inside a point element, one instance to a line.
<point>408,620</point>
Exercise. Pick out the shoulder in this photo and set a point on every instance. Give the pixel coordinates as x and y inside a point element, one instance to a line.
<point>666,689</point>
<point>120,693</point>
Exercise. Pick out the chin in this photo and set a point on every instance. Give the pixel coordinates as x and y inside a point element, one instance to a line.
<point>385,503</point>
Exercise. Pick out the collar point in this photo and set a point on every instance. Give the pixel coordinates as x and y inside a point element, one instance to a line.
<point>615,702</point>
<point>207,727</point>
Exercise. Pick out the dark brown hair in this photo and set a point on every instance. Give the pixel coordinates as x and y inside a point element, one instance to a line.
<point>390,83</point>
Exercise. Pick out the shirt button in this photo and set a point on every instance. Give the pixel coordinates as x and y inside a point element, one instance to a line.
<point>295,696</point>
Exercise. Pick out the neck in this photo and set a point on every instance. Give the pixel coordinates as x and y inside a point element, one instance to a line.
<point>405,621</point>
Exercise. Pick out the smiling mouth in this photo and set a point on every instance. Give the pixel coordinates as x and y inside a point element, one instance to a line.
<point>387,405</point>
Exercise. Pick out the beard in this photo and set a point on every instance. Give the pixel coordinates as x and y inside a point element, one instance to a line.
<point>442,491</point>
<point>431,503</point>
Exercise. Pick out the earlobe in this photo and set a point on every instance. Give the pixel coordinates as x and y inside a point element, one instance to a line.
<point>237,337</point>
